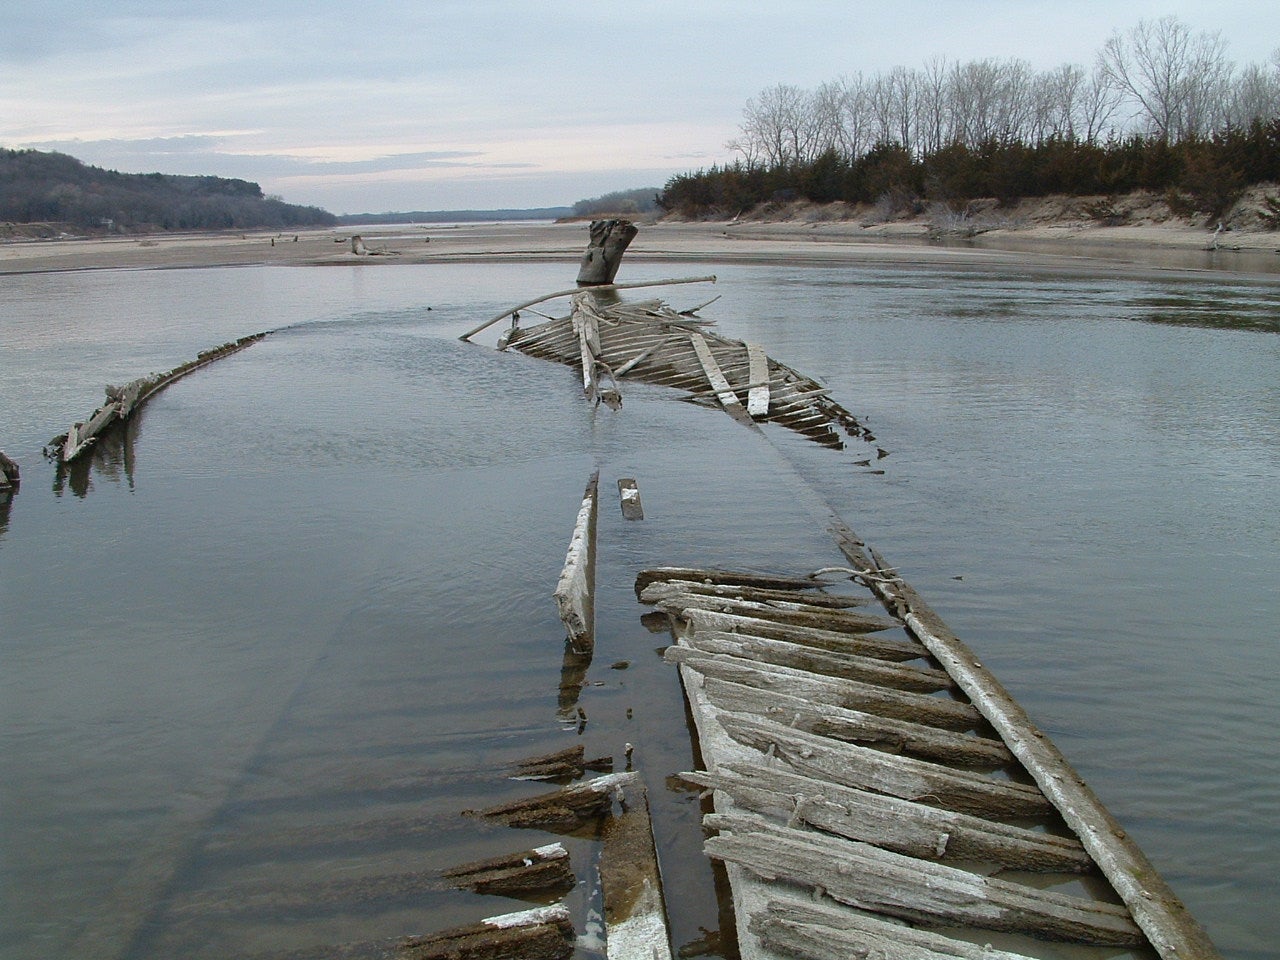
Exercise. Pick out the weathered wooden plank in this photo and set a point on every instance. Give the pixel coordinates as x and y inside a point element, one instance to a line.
<point>899,704</point>
<point>785,598</point>
<point>840,665</point>
<point>903,826</point>
<point>709,575</point>
<point>885,648</point>
<point>575,588</point>
<point>723,391</point>
<point>645,354</point>
<point>897,776</point>
<point>855,726</point>
<point>540,871</point>
<point>1172,930</point>
<point>574,290</point>
<point>545,933</point>
<point>827,931</point>
<point>562,811</point>
<point>920,891</point>
<point>567,764</point>
<point>634,913</point>
<point>629,495</point>
<point>837,621</point>
<point>758,381</point>
<point>585,325</point>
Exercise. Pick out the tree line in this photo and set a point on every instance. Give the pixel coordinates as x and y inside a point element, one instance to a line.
<point>1161,108</point>
<point>36,186</point>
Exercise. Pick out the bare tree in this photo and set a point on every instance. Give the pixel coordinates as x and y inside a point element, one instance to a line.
<point>1255,95</point>
<point>855,115</point>
<point>1176,78</point>
<point>1099,101</point>
<point>1056,97</point>
<point>934,124</point>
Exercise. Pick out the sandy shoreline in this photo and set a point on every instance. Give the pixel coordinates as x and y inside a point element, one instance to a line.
<point>1068,247</point>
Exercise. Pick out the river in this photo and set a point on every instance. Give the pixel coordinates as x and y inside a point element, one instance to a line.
<point>311,588</point>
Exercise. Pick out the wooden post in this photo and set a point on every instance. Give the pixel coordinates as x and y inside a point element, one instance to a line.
<point>609,240</point>
<point>575,589</point>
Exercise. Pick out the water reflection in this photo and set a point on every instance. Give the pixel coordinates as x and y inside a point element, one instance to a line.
<point>111,458</point>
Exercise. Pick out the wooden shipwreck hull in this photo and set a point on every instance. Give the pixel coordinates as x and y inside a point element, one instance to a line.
<point>877,793</point>
<point>612,341</point>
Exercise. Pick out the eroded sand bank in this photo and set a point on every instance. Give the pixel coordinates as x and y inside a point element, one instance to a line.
<point>1067,246</point>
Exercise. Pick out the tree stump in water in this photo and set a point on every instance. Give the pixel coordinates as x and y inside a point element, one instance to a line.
<point>609,240</point>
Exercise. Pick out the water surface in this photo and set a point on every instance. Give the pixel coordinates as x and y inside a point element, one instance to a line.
<point>310,589</point>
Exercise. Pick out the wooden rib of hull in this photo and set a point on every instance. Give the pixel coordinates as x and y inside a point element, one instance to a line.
<point>652,343</point>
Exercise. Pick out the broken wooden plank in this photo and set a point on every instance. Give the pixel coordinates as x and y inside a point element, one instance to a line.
<point>757,381</point>
<point>545,933</point>
<point>724,578</point>
<point>828,931</point>
<point>629,494</point>
<point>586,320</point>
<point>561,811</point>
<point>1171,928</point>
<point>573,290</point>
<point>845,666</point>
<point>856,726</point>
<point>916,890</point>
<point>798,598</point>
<point>723,391</point>
<point>837,621</point>
<point>903,826</point>
<point>567,764</point>
<point>575,588</point>
<point>898,776</point>
<point>899,704</point>
<point>540,872</point>
<point>870,645</point>
<point>634,913</point>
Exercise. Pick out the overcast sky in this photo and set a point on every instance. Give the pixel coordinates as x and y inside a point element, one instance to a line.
<point>361,106</point>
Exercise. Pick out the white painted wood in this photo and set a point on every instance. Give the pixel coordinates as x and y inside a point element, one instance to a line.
<point>575,588</point>
<point>715,376</point>
<point>758,393</point>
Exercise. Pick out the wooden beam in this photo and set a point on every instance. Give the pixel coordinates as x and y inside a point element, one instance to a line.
<point>572,290</point>
<point>715,376</point>
<point>1171,928</point>
<point>902,826</point>
<point>629,495</point>
<point>823,931</point>
<point>897,776</point>
<point>857,726</point>
<point>899,704</point>
<point>758,381</point>
<point>574,593</point>
<point>634,912</point>
<point>545,933</point>
<point>915,890</point>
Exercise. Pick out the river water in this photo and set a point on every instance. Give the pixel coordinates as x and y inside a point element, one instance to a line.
<point>310,589</point>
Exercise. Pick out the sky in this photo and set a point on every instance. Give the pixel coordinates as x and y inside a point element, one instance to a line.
<point>391,105</point>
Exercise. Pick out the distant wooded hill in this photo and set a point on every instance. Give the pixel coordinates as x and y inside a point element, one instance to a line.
<point>454,216</point>
<point>39,187</point>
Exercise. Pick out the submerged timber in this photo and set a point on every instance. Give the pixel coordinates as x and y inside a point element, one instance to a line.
<point>651,342</point>
<point>876,792</point>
